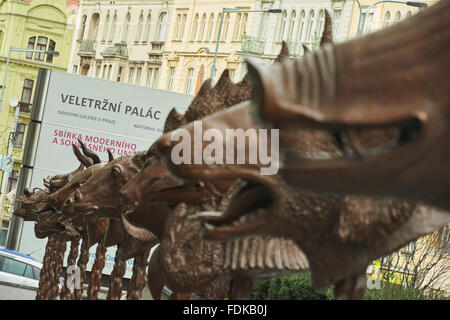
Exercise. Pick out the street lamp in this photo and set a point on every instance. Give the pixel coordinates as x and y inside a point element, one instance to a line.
<point>226,10</point>
<point>408,3</point>
<point>50,52</point>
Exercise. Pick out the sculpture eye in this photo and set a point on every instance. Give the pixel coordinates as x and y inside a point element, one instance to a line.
<point>199,184</point>
<point>116,171</point>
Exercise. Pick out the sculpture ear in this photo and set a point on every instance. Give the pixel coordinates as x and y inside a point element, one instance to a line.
<point>284,52</point>
<point>224,80</point>
<point>174,120</point>
<point>255,76</point>
<point>327,35</point>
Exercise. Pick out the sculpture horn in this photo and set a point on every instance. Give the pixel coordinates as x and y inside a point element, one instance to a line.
<point>138,233</point>
<point>81,157</point>
<point>110,155</point>
<point>89,153</point>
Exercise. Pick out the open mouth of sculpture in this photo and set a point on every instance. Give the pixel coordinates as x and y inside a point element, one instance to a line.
<point>48,223</point>
<point>248,210</point>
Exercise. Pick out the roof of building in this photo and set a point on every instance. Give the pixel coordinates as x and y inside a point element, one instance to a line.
<point>72,5</point>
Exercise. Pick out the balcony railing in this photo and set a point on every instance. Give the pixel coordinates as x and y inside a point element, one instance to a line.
<point>295,49</point>
<point>252,45</point>
<point>87,46</point>
<point>24,107</point>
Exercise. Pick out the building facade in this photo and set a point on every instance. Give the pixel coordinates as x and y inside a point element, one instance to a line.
<point>375,16</point>
<point>301,23</point>
<point>46,25</point>
<point>120,41</point>
<point>166,45</point>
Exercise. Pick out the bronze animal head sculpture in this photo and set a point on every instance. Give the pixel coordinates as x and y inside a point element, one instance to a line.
<point>187,262</point>
<point>332,230</point>
<point>43,206</point>
<point>99,195</point>
<point>394,79</point>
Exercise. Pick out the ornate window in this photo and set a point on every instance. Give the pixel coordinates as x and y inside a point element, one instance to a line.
<point>139,28</point>
<point>398,16</point>
<point>237,27</point>
<point>291,29</point>
<point>162,22</point>
<point>263,26</point>
<point>226,26</point>
<point>210,27</point>
<point>301,26</point>
<point>51,47</point>
<point>12,181</point>
<point>147,28</point>
<point>195,28</point>
<point>18,137</point>
<point>321,23</point>
<point>202,28</point>
<point>177,27</point>
<point>387,19</point>
<point>126,27</point>
<point>82,28</point>
<point>42,44</point>
<point>31,43</point>
<point>171,77</point>
<point>138,76</point>
<point>113,28</point>
<point>190,80</point>
<point>244,24</point>
<point>130,75</point>
<point>216,32</point>
<point>105,29</point>
<point>283,26</point>
<point>309,32</point>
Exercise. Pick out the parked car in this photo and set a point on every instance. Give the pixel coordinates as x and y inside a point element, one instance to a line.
<point>19,270</point>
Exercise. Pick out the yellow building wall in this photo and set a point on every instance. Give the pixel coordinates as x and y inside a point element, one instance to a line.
<point>18,22</point>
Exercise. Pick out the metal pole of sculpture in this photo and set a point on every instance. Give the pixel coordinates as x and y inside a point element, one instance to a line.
<point>115,286</point>
<point>96,272</point>
<point>59,260</point>
<point>137,282</point>
<point>45,278</point>
<point>82,262</point>
<point>71,260</point>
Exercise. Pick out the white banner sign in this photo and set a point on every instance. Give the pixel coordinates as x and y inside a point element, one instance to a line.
<point>104,115</point>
